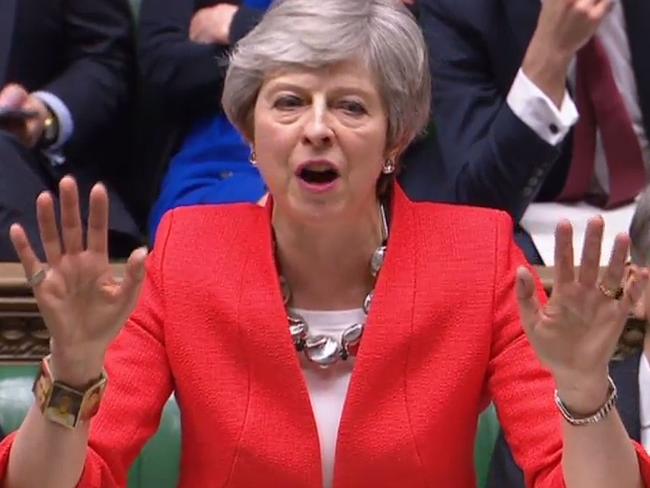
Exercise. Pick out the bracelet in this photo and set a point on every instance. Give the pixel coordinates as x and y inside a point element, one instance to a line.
<point>64,405</point>
<point>596,417</point>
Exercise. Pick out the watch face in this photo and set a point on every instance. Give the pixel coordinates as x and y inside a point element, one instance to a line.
<point>63,406</point>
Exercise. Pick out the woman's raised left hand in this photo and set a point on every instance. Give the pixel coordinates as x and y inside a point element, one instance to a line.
<point>575,333</point>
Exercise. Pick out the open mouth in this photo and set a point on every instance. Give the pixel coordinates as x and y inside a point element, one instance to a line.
<point>318,174</point>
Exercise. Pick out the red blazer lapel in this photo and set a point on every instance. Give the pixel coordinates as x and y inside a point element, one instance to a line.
<point>375,445</point>
<point>279,442</point>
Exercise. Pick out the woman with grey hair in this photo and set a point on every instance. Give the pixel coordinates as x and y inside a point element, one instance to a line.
<point>340,336</point>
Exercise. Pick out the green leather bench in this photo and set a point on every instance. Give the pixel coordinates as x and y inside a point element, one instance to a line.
<point>157,465</point>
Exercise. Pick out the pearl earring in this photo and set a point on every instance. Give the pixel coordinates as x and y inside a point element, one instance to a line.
<point>389,166</point>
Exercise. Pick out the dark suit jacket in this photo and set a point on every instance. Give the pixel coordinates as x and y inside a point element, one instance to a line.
<point>504,471</point>
<point>82,52</point>
<point>488,156</point>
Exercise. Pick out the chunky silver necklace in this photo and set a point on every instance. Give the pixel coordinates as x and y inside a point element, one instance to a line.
<point>324,350</point>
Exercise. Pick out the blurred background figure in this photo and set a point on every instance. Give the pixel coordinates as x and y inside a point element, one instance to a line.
<point>66,73</point>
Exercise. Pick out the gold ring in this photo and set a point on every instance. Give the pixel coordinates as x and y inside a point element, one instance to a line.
<point>609,293</point>
<point>37,277</point>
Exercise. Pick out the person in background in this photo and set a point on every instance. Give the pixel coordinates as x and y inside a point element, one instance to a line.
<point>341,335</point>
<point>630,367</point>
<point>509,79</point>
<point>66,73</point>
<point>183,53</point>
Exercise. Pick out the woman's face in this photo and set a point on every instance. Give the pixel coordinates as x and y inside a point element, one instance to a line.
<point>320,140</point>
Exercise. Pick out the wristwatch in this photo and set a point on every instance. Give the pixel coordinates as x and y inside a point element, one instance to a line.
<point>63,404</point>
<point>50,130</point>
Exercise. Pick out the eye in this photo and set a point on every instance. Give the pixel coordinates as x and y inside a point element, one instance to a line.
<point>352,107</point>
<point>287,102</point>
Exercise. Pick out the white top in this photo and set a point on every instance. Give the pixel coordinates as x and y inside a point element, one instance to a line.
<point>644,407</point>
<point>328,387</point>
<point>538,112</point>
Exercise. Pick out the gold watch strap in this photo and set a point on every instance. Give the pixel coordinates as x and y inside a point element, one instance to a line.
<point>64,404</point>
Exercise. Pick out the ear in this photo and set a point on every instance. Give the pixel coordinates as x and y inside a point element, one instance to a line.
<point>397,149</point>
<point>639,309</point>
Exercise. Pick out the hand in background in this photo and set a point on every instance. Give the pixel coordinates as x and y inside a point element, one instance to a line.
<point>211,25</point>
<point>563,27</point>
<point>82,304</point>
<point>576,332</point>
<point>29,131</point>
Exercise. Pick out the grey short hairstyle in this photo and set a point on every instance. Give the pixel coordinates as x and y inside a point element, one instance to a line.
<point>320,33</point>
<point>640,230</point>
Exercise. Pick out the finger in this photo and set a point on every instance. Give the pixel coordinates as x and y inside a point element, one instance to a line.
<point>527,299</point>
<point>13,96</point>
<point>194,26</point>
<point>70,216</point>
<point>47,227</point>
<point>98,220</point>
<point>30,262</point>
<point>634,291</point>
<point>133,277</point>
<point>615,270</point>
<point>590,262</point>
<point>563,268</point>
<point>602,8</point>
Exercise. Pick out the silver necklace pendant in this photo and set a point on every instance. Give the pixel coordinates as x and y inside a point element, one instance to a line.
<point>377,260</point>
<point>323,350</point>
<point>298,329</point>
<point>368,301</point>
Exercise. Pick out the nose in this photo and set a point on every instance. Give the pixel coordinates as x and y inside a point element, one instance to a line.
<point>317,130</point>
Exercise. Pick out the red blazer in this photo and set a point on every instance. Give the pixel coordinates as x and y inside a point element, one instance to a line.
<point>443,339</point>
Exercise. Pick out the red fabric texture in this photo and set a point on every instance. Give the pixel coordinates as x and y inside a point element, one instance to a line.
<point>443,339</point>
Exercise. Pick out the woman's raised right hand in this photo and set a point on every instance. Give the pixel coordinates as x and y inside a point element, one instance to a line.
<point>82,304</point>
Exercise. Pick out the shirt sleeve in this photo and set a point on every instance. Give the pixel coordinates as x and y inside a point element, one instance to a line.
<point>66,125</point>
<point>537,111</point>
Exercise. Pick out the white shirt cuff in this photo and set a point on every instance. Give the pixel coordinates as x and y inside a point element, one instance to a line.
<point>64,118</point>
<point>538,111</point>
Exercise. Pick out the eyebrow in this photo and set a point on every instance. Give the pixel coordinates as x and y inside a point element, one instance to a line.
<point>346,89</point>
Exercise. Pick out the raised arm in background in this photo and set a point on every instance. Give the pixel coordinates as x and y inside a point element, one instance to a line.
<point>486,55</point>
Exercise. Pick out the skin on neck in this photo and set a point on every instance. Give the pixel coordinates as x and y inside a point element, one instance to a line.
<point>327,263</point>
<point>646,342</point>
